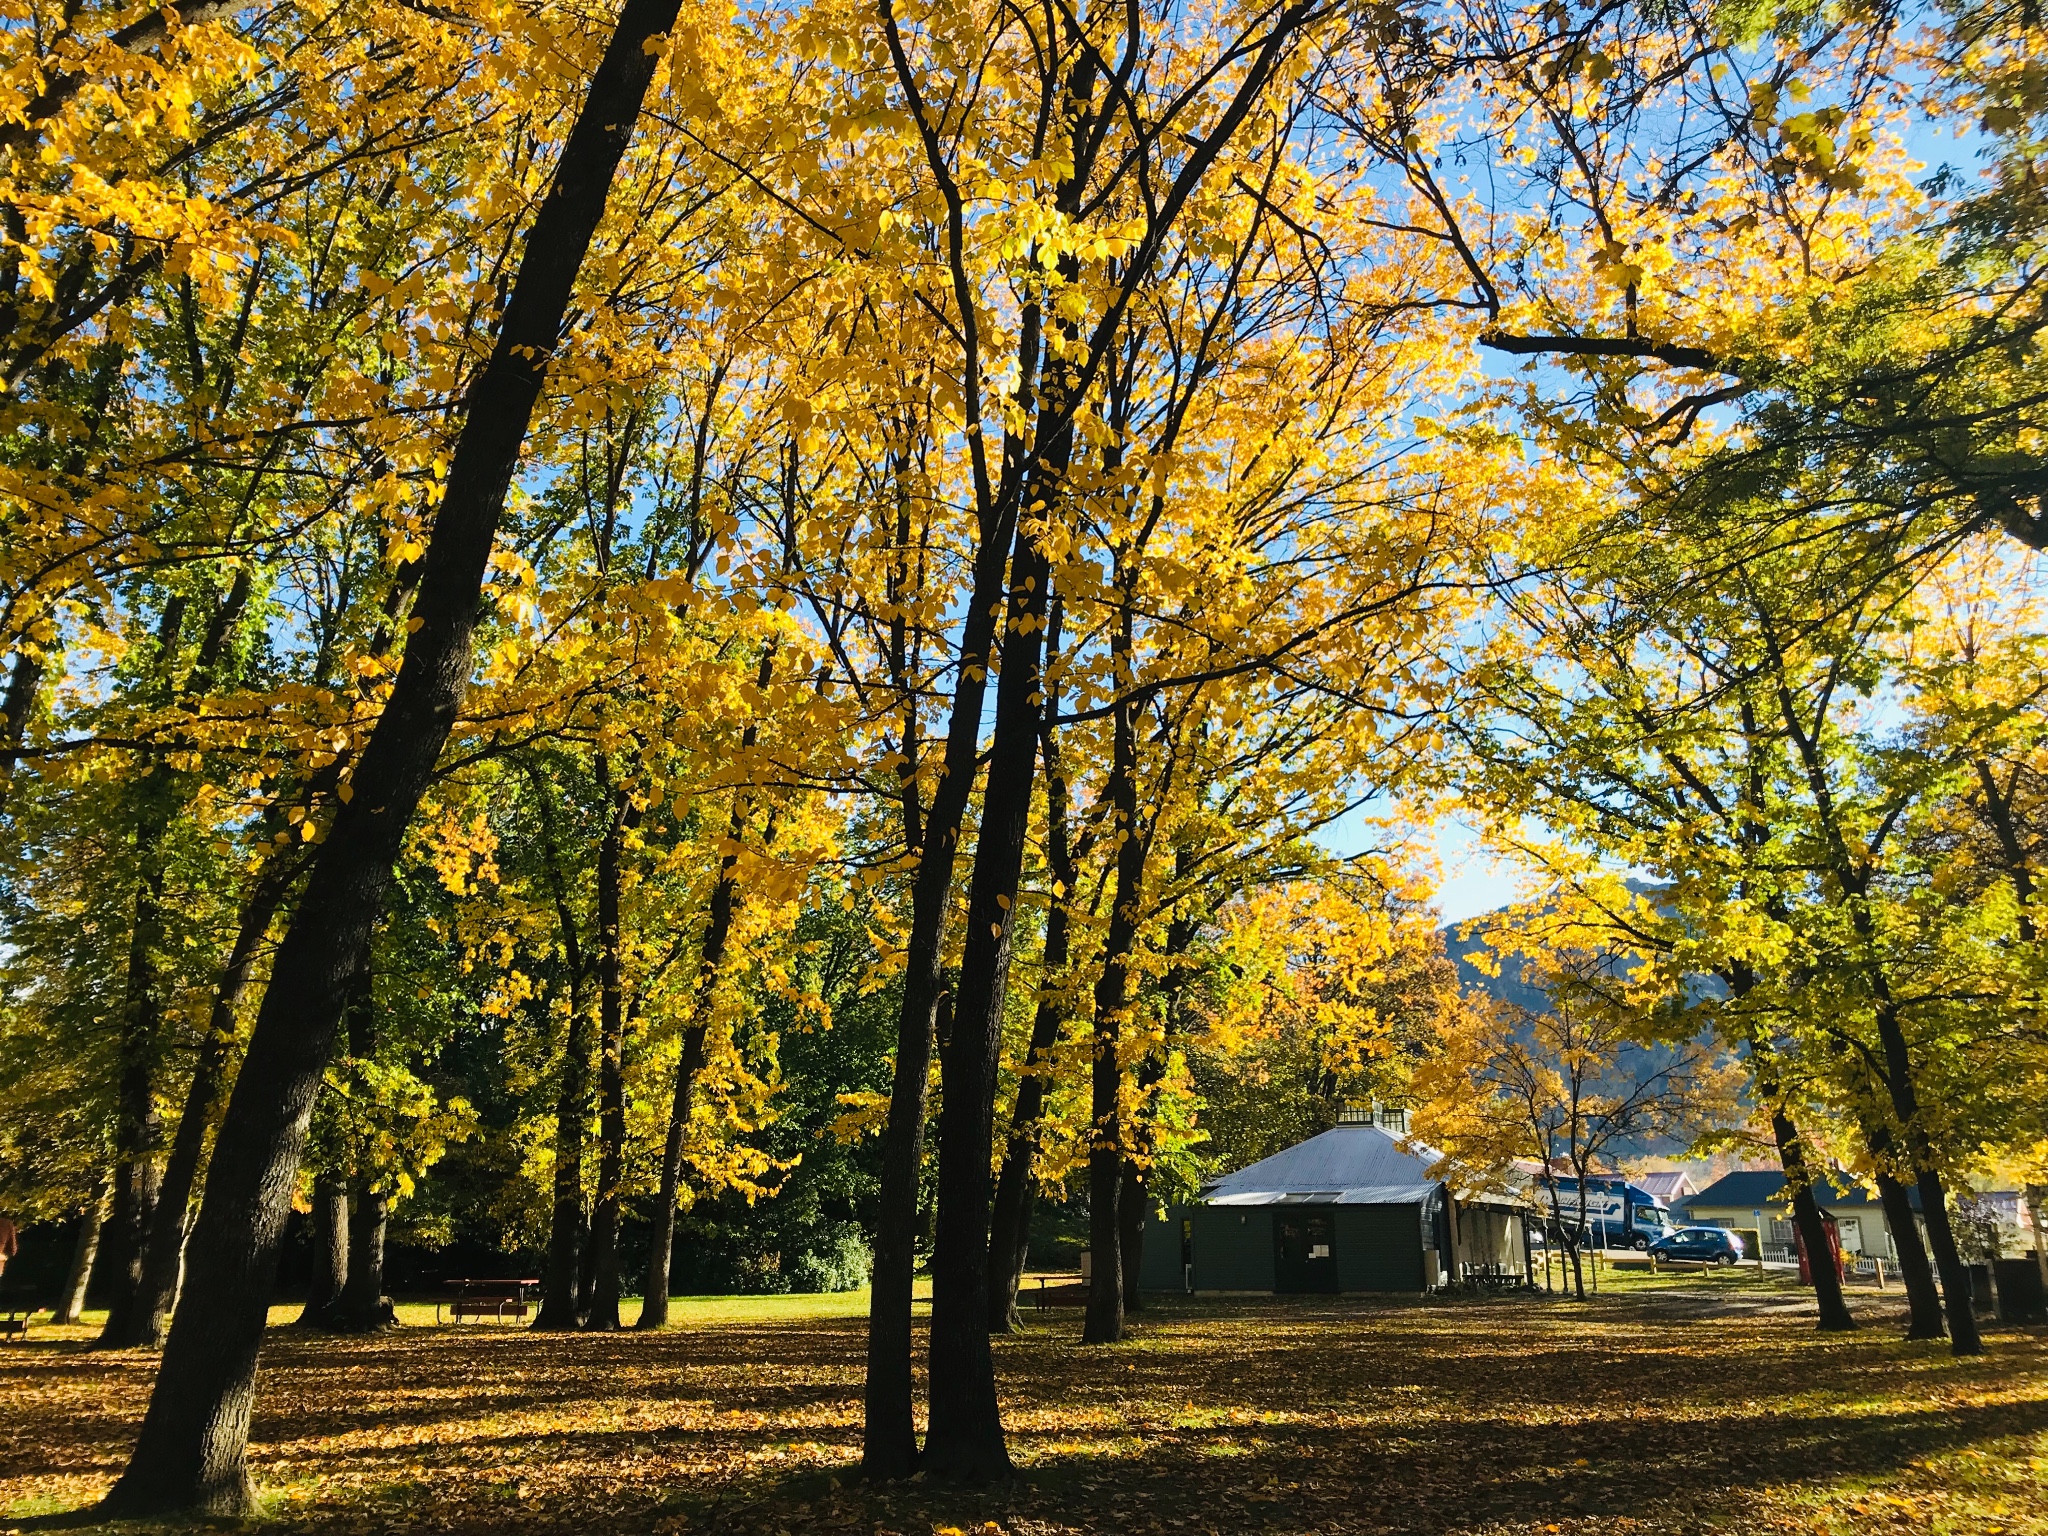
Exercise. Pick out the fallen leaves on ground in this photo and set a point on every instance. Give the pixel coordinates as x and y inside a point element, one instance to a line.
<point>1637,1413</point>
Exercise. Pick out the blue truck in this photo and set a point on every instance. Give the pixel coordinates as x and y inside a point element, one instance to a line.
<point>1618,1214</point>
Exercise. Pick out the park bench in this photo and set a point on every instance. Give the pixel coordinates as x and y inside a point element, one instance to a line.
<point>14,1322</point>
<point>502,1301</point>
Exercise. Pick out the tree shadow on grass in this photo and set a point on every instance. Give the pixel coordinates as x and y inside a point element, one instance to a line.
<point>1279,1418</point>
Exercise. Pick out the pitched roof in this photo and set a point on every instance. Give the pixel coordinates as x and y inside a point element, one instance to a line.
<point>1667,1185</point>
<point>1757,1188</point>
<point>1343,1158</point>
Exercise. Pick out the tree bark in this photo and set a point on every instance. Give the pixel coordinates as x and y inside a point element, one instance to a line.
<point>361,1307</point>
<point>1009,1242</point>
<point>164,1253</point>
<point>689,1062</point>
<point>138,1124</point>
<point>24,681</point>
<point>965,1441</point>
<point>1955,1281</point>
<point>71,1299</point>
<point>1835,1316</point>
<point>1827,1284</point>
<point>1964,1339</point>
<point>1105,1321</point>
<point>560,1301</point>
<point>1923,1302</point>
<point>611,1069</point>
<point>330,1250</point>
<point>889,1433</point>
<point>190,1454</point>
<point>1130,1250</point>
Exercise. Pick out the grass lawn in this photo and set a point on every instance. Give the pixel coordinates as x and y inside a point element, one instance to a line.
<point>1672,1404</point>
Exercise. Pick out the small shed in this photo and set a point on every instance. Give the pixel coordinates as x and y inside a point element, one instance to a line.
<point>1351,1210</point>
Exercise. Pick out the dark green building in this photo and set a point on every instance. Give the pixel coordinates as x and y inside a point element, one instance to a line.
<point>1350,1210</point>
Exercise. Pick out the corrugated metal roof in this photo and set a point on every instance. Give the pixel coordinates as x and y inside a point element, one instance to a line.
<point>1370,1194</point>
<point>1761,1187</point>
<point>1344,1158</point>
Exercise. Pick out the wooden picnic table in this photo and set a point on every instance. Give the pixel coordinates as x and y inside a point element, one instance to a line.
<point>501,1301</point>
<point>1060,1290</point>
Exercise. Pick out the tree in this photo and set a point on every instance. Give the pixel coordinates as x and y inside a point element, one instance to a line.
<point>192,1443</point>
<point>1516,1095</point>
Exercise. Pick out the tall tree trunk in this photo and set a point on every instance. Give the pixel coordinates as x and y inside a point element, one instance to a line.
<point>725,895</point>
<point>1835,1316</point>
<point>1135,1199</point>
<point>1009,1239</point>
<point>361,1307</point>
<point>1955,1281</point>
<point>689,1062</point>
<point>1009,1242</point>
<point>164,1254</point>
<point>190,1454</point>
<point>138,1124</point>
<point>1132,1201</point>
<point>1923,1302</point>
<point>889,1432</point>
<point>889,1435</point>
<point>1806,1216</point>
<point>965,1441</point>
<point>330,1250</point>
<point>560,1301</point>
<point>1105,1322</point>
<point>71,1299</point>
<point>1964,1339</point>
<point>611,1068</point>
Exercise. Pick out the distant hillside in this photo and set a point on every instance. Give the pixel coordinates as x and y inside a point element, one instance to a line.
<point>1463,940</point>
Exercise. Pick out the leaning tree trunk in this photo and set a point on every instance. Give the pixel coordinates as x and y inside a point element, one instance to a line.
<point>689,1062</point>
<point>1923,1301</point>
<point>1806,1216</point>
<point>164,1254</point>
<point>1835,1316</point>
<point>1964,1338</point>
<point>71,1299</point>
<point>330,1250</point>
<point>725,897</point>
<point>190,1454</point>
<point>1905,1101</point>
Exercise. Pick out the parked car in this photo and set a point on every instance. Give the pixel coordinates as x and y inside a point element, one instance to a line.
<point>1700,1245</point>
